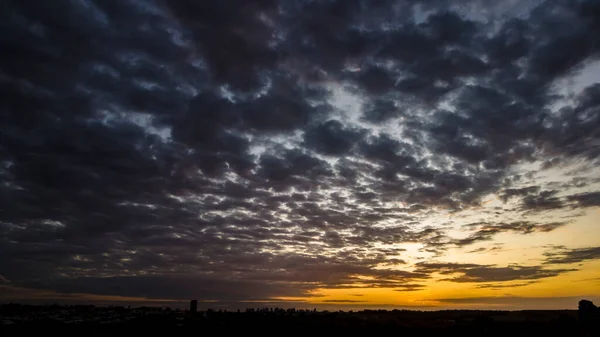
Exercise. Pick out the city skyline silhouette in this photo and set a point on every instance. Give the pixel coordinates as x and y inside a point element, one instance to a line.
<point>308,154</point>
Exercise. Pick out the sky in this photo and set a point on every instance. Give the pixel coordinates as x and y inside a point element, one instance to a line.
<point>336,154</point>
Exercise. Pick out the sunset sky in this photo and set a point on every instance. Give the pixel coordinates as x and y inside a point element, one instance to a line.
<point>337,154</point>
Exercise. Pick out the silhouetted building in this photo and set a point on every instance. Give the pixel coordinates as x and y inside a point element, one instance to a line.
<point>193,306</point>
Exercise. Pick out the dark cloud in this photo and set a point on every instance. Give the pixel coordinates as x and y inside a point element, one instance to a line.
<point>487,273</point>
<point>375,80</point>
<point>543,201</point>
<point>497,247</point>
<point>586,199</point>
<point>380,111</point>
<point>343,301</point>
<point>518,192</point>
<point>486,231</point>
<point>231,37</point>
<point>534,200</point>
<point>170,287</point>
<point>504,286</point>
<point>409,287</point>
<point>332,138</point>
<point>280,112</point>
<point>158,148</point>
<point>567,256</point>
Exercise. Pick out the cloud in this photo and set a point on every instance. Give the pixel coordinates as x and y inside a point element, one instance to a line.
<point>534,200</point>
<point>343,301</point>
<point>586,199</point>
<point>466,272</point>
<point>171,287</point>
<point>282,146</point>
<point>485,231</point>
<point>332,138</point>
<point>544,201</point>
<point>410,287</point>
<point>567,256</point>
<point>290,276</point>
<point>503,286</point>
<point>515,192</point>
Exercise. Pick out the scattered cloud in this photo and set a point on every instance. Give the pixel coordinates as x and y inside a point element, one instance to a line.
<point>504,286</point>
<point>567,256</point>
<point>467,272</point>
<point>409,287</point>
<point>235,150</point>
<point>485,231</point>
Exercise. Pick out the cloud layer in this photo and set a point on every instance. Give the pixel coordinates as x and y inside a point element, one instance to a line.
<point>235,150</point>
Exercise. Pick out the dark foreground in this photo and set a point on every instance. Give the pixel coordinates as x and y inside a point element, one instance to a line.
<point>111,321</point>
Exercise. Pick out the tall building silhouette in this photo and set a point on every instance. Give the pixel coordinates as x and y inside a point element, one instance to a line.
<point>193,306</point>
